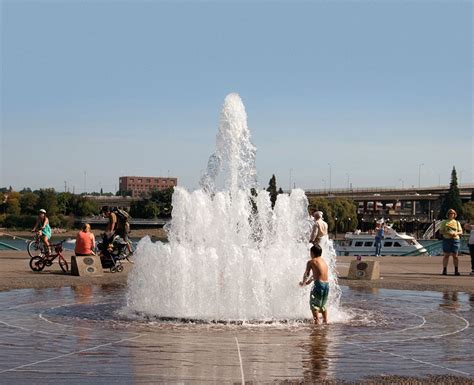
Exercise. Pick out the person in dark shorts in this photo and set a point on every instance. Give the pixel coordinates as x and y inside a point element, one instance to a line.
<point>320,291</point>
<point>451,230</point>
<point>470,227</point>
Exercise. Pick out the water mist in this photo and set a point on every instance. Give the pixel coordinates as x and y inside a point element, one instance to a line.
<point>230,256</point>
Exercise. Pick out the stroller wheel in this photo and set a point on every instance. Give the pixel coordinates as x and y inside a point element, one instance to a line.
<point>113,269</point>
<point>119,268</point>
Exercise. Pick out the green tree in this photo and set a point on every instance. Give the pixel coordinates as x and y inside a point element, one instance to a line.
<point>3,201</point>
<point>468,211</point>
<point>28,203</point>
<point>452,200</point>
<point>322,204</point>
<point>13,203</point>
<point>151,210</point>
<point>65,203</point>
<point>145,208</point>
<point>163,198</point>
<point>85,207</point>
<point>344,209</point>
<point>47,200</point>
<point>272,190</point>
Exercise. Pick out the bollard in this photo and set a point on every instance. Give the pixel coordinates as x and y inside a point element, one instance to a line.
<point>86,266</point>
<point>364,270</point>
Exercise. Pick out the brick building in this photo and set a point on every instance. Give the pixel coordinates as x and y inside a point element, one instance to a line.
<point>138,186</point>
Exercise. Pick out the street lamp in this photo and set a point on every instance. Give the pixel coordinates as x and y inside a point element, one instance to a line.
<point>330,176</point>
<point>419,174</point>
<point>403,182</point>
<point>347,175</point>
<point>335,236</point>
<point>324,181</point>
<point>349,224</point>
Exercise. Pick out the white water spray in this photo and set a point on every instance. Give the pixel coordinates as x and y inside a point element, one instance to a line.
<point>230,256</point>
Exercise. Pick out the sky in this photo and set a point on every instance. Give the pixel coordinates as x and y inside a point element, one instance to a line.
<point>359,93</point>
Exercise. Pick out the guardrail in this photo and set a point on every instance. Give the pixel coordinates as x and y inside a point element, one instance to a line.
<point>133,221</point>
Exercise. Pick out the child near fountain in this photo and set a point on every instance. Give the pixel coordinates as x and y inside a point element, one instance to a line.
<point>320,291</point>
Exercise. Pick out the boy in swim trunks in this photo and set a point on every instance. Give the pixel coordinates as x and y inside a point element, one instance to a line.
<point>320,291</point>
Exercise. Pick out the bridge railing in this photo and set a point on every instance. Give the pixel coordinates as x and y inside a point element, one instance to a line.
<point>133,221</point>
<point>357,190</point>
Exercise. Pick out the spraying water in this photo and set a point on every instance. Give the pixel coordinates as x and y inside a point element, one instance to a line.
<point>230,256</point>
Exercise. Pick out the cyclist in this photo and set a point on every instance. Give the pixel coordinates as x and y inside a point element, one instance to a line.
<point>43,229</point>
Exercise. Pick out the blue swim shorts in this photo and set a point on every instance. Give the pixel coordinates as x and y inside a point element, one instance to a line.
<point>319,296</point>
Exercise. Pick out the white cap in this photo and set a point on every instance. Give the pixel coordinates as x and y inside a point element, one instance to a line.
<point>42,211</point>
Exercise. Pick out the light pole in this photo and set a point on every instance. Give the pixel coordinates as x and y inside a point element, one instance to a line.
<point>419,174</point>
<point>335,235</point>
<point>403,183</point>
<point>330,176</point>
<point>347,175</point>
<point>291,171</point>
<point>324,181</point>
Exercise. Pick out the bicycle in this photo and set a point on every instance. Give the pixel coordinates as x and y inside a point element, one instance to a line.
<point>39,262</point>
<point>36,245</point>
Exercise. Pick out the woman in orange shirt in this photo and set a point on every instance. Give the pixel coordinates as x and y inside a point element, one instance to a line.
<point>85,241</point>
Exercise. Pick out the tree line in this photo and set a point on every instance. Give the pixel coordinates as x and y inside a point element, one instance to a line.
<point>19,209</point>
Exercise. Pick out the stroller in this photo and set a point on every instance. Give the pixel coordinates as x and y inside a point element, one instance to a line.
<point>113,252</point>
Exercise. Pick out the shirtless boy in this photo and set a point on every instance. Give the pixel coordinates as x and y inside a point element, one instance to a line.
<point>320,291</point>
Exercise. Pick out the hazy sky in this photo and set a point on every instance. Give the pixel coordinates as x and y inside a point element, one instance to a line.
<point>135,88</point>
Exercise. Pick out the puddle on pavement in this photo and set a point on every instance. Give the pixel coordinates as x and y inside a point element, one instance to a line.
<point>83,335</point>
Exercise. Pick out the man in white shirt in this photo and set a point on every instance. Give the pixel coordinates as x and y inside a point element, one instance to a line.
<point>320,228</point>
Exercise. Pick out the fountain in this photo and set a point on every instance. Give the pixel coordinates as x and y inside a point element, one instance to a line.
<point>230,256</point>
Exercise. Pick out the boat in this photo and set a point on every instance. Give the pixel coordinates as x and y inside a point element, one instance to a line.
<point>393,243</point>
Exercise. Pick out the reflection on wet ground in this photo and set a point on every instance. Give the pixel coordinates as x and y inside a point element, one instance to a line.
<point>82,335</point>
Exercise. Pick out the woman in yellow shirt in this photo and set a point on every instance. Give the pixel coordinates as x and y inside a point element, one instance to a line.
<point>451,230</point>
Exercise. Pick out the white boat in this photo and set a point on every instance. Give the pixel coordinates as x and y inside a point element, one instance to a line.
<point>393,243</point>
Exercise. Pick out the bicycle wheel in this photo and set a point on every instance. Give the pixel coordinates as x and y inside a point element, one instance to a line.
<point>37,263</point>
<point>63,264</point>
<point>32,248</point>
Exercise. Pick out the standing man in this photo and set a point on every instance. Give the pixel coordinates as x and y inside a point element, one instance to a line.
<point>111,224</point>
<point>320,228</point>
<point>379,234</point>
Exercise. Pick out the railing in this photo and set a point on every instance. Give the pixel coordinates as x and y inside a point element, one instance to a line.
<point>383,189</point>
<point>7,246</point>
<point>133,221</point>
<point>435,248</point>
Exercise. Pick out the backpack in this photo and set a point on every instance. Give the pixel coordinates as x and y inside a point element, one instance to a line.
<point>122,215</point>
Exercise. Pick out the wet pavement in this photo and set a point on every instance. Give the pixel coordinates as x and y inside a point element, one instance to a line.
<point>83,335</point>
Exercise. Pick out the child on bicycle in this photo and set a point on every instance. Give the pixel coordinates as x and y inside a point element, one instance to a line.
<point>43,229</point>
